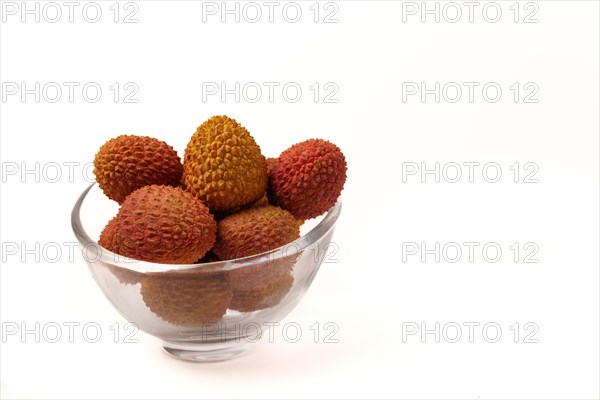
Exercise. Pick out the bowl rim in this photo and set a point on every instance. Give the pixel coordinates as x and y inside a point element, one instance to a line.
<point>104,255</point>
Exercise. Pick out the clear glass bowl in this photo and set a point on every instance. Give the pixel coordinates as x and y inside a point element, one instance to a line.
<point>202,312</point>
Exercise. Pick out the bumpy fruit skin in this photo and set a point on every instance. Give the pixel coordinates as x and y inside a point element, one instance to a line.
<point>164,224</point>
<point>107,240</point>
<point>263,201</point>
<point>307,178</point>
<point>268,295</point>
<point>107,236</point>
<point>251,232</point>
<point>129,162</point>
<point>223,165</point>
<point>185,298</point>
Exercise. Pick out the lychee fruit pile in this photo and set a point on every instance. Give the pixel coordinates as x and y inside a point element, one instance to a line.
<point>225,201</point>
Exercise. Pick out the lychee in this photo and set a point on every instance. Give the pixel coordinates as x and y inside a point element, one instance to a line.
<point>107,241</point>
<point>267,295</point>
<point>129,162</point>
<point>163,224</point>
<point>250,232</point>
<point>186,298</point>
<point>307,178</point>
<point>223,165</point>
<point>253,231</point>
<point>107,236</point>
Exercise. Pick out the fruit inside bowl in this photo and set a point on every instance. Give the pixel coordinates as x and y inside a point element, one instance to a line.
<point>208,311</point>
<point>196,252</point>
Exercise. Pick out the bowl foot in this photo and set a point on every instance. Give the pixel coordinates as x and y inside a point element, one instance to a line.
<point>208,352</point>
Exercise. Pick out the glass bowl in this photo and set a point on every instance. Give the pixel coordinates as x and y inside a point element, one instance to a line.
<point>205,312</point>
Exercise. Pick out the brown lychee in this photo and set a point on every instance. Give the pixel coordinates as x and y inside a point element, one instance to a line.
<point>267,295</point>
<point>250,232</point>
<point>223,165</point>
<point>107,241</point>
<point>129,162</point>
<point>107,236</point>
<point>186,298</point>
<point>253,231</point>
<point>164,224</point>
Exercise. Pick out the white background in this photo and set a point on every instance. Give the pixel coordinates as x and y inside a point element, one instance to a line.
<point>370,293</point>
